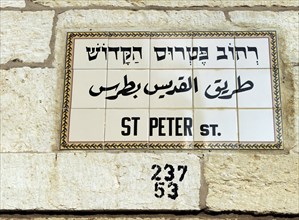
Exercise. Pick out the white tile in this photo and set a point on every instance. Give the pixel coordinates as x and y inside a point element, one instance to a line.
<point>87,125</point>
<point>129,92</point>
<point>126,125</point>
<point>256,84</point>
<point>215,88</point>
<point>170,89</point>
<point>128,53</point>
<point>252,52</point>
<point>256,125</point>
<point>212,125</point>
<point>170,53</point>
<point>90,53</point>
<point>170,125</point>
<point>213,53</point>
<point>86,88</point>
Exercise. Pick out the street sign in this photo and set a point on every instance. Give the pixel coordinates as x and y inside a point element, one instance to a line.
<point>171,90</point>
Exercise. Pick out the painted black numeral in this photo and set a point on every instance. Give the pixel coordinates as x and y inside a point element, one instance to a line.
<point>159,188</point>
<point>170,172</point>
<point>174,189</point>
<point>184,168</point>
<point>155,176</point>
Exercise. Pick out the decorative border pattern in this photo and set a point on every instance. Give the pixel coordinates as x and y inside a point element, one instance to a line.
<point>175,145</point>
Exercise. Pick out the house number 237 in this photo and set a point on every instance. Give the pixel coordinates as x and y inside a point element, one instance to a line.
<point>164,183</point>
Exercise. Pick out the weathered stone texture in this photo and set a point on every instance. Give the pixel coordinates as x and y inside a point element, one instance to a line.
<point>166,3</point>
<point>285,23</point>
<point>141,20</point>
<point>30,110</point>
<point>289,93</point>
<point>295,74</point>
<point>12,3</point>
<point>94,181</point>
<point>25,35</point>
<point>81,3</point>
<point>259,183</point>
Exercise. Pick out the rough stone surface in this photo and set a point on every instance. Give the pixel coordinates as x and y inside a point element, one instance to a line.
<point>30,110</point>
<point>259,183</point>
<point>295,73</point>
<point>25,36</point>
<point>285,23</point>
<point>12,3</point>
<point>95,181</point>
<point>166,3</point>
<point>82,3</point>
<point>290,108</point>
<point>247,181</point>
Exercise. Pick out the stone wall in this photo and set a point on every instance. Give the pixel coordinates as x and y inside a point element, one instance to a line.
<point>36,176</point>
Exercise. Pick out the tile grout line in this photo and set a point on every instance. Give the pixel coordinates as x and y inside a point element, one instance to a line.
<point>237,101</point>
<point>105,122</point>
<point>149,84</point>
<point>193,97</point>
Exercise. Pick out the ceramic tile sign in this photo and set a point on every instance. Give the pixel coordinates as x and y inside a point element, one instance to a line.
<point>171,90</point>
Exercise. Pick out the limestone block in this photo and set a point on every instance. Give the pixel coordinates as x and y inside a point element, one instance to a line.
<point>295,72</point>
<point>252,182</point>
<point>165,3</point>
<point>97,181</point>
<point>285,23</point>
<point>30,110</point>
<point>12,3</point>
<point>289,93</point>
<point>25,35</point>
<point>142,20</point>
